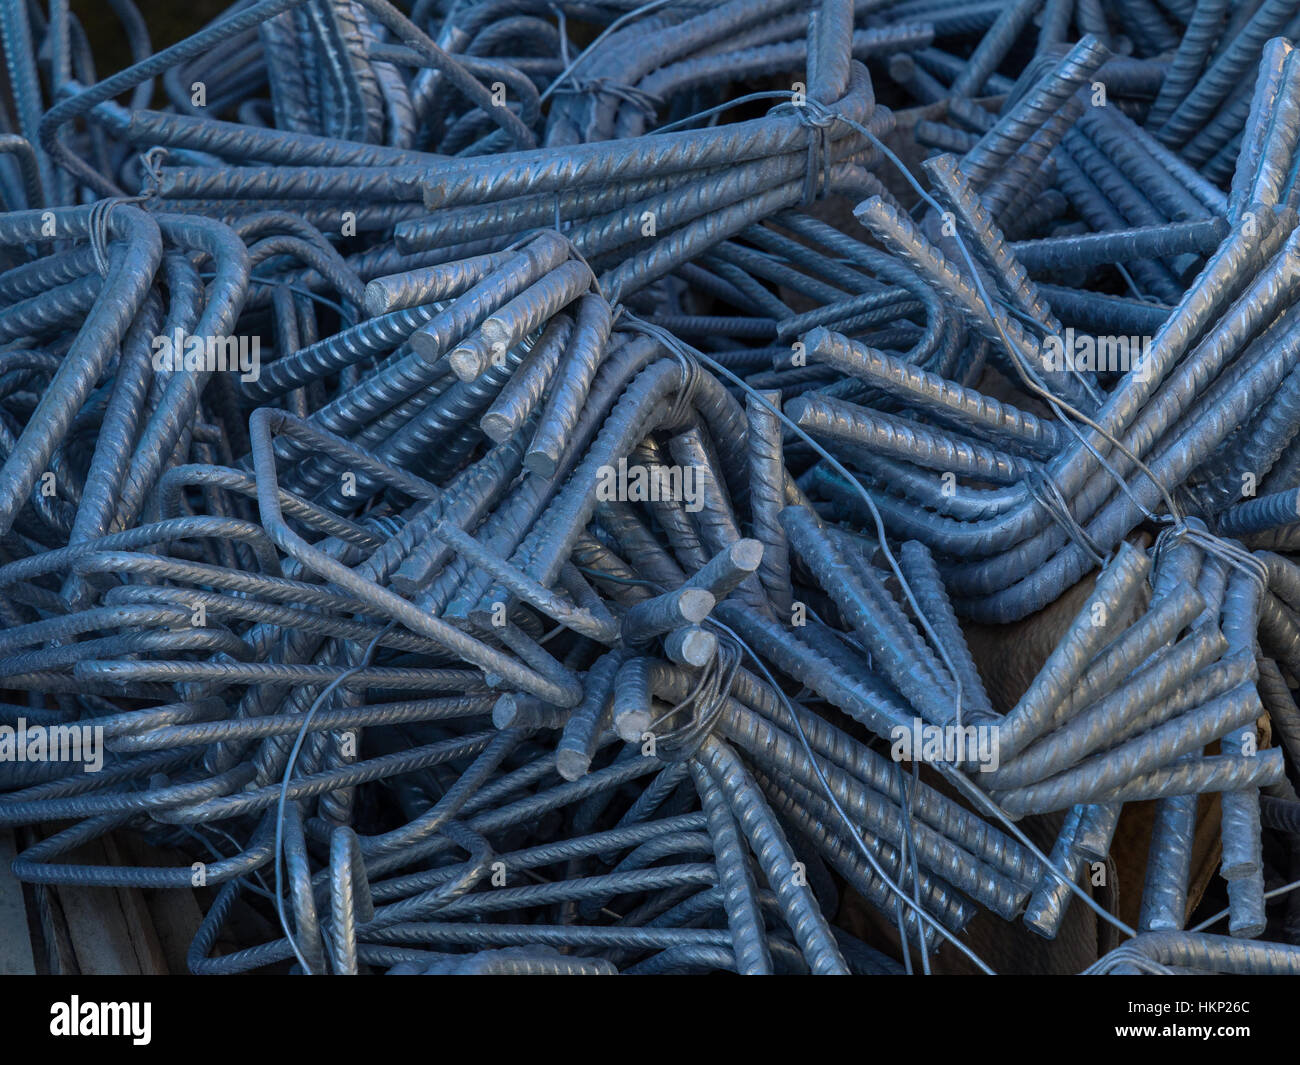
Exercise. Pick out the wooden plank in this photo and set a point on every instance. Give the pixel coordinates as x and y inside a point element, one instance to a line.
<point>144,936</point>
<point>110,931</point>
<point>175,912</point>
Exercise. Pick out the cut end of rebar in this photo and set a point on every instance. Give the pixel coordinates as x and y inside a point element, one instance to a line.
<point>465,363</point>
<point>543,462</point>
<point>631,725</point>
<point>901,67</point>
<point>691,647</point>
<point>572,765</point>
<point>505,710</point>
<point>425,344</point>
<point>746,554</point>
<point>376,300</point>
<point>815,339</point>
<point>796,409</point>
<point>694,604</point>
<point>497,427</point>
<point>869,209</point>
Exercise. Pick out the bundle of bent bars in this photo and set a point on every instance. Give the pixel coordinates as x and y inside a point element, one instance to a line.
<point>507,506</point>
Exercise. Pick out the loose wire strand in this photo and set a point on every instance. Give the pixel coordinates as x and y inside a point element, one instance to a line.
<point>284,788</point>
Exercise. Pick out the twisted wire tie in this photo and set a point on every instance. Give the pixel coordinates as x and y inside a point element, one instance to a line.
<point>690,382</point>
<point>817,118</point>
<point>102,211</point>
<point>1047,495</point>
<point>705,703</point>
<point>1228,551</point>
